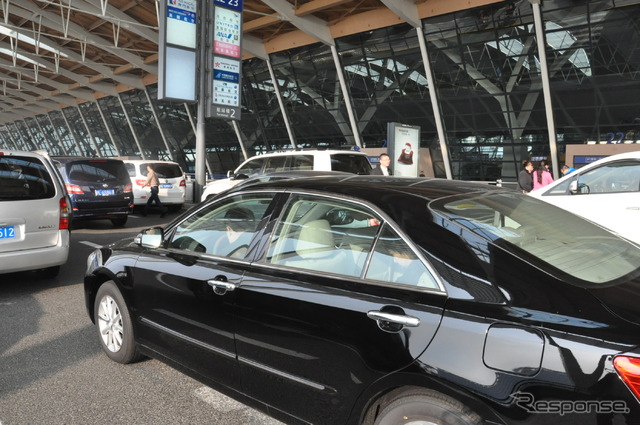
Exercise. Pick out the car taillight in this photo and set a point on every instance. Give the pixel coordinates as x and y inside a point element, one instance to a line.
<point>141,182</point>
<point>629,370</point>
<point>74,189</point>
<point>128,187</point>
<point>64,214</point>
<point>182,183</point>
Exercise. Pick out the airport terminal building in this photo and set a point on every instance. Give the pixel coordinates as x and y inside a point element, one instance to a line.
<point>488,83</point>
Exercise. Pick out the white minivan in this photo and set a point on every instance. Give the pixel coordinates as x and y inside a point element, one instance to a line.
<point>34,214</point>
<point>172,190</point>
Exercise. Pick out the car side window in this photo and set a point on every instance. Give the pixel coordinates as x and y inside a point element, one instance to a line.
<point>324,235</point>
<point>275,163</point>
<point>252,167</point>
<point>222,229</point>
<point>611,178</point>
<point>301,162</point>
<point>394,261</point>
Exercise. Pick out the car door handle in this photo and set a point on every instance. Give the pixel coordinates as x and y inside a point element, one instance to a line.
<point>399,319</point>
<point>221,287</point>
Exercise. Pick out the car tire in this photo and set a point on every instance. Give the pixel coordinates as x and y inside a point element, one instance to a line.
<point>421,405</point>
<point>120,221</point>
<point>113,324</point>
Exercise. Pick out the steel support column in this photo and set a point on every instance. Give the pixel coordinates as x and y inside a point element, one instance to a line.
<point>546,86</point>
<point>73,135</point>
<point>133,130</point>
<point>442,137</point>
<point>155,116</point>
<point>106,126</point>
<point>347,96</point>
<point>285,116</point>
<point>91,137</point>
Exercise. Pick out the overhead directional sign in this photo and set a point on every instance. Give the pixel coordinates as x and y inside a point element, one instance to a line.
<point>225,81</point>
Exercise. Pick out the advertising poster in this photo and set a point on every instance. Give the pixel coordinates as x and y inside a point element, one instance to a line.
<point>404,144</point>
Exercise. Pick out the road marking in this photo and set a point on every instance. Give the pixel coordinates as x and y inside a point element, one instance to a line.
<point>92,245</point>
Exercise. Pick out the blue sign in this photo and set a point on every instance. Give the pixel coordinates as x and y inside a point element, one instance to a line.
<point>181,15</point>
<point>226,76</point>
<point>232,4</point>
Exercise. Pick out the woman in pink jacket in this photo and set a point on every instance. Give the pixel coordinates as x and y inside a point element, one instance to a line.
<point>541,177</point>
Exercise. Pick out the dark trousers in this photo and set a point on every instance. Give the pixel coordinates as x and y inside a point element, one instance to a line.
<point>153,197</point>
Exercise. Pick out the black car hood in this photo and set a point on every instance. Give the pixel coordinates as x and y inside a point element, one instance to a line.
<point>622,299</point>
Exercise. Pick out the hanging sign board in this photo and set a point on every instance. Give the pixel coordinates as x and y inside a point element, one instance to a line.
<point>225,80</point>
<point>177,55</point>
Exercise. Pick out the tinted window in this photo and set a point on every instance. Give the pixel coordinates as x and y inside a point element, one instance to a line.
<point>97,170</point>
<point>131,169</point>
<point>24,178</point>
<point>165,171</point>
<point>350,163</point>
<point>564,241</point>
<point>324,235</point>
<point>224,229</point>
<point>394,261</point>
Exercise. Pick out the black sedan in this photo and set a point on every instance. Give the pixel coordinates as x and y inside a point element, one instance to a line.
<point>366,300</point>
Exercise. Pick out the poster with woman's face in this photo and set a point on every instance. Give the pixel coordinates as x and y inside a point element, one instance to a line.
<point>404,157</point>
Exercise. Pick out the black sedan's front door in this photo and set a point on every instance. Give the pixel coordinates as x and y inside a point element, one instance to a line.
<point>177,288</point>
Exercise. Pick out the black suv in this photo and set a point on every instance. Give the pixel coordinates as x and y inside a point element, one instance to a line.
<point>98,188</point>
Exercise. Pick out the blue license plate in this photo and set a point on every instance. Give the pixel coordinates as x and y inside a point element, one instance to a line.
<point>166,186</point>
<point>7,232</point>
<point>104,192</point>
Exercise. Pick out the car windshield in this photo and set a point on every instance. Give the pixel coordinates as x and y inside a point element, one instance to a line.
<point>97,170</point>
<point>561,239</point>
<point>24,178</point>
<point>163,170</point>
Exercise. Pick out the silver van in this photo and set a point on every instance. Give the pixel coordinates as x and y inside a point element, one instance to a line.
<point>34,214</point>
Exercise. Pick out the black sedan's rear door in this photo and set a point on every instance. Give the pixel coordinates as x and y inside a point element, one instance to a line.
<point>328,312</point>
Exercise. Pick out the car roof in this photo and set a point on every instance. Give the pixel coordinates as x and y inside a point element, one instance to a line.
<point>67,159</point>
<point>145,161</point>
<point>374,188</point>
<point>308,151</point>
<point>22,153</point>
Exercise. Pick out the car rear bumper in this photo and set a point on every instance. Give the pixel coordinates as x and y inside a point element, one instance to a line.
<point>35,259</point>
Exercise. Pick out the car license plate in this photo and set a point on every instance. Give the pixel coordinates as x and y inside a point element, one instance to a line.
<point>104,192</point>
<point>166,186</point>
<point>7,232</point>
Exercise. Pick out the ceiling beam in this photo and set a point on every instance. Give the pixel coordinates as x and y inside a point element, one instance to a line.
<point>311,25</point>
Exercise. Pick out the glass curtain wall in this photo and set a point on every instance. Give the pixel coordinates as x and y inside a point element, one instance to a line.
<point>488,83</point>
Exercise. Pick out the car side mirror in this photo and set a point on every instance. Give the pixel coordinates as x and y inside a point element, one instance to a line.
<point>150,238</point>
<point>229,174</point>
<point>573,187</point>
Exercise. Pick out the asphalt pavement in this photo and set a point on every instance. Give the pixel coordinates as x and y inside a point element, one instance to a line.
<point>53,371</point>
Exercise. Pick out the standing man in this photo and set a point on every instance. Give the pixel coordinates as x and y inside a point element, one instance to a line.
<point>383,167</point>
<point>154,184</point>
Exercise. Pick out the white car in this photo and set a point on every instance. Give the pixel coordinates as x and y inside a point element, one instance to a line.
<point>317,160</point>
<point>172,190</point>
<point>606,192</point>
<point>34,214</point>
